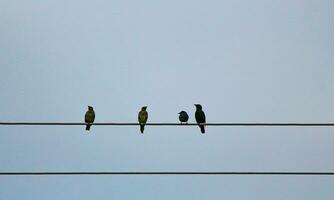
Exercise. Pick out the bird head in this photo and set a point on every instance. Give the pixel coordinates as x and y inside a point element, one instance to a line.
<point>144,108</point>
<point>198,106</point>
<point>90,108</point>
<point>182,112</point>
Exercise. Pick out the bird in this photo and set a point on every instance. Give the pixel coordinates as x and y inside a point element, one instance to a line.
<point>200,117</point>
<point>89,117</point>
<point>183,116</point>
<point>142,118</point>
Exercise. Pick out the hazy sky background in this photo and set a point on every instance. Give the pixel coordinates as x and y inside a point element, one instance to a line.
<point>244,61</point>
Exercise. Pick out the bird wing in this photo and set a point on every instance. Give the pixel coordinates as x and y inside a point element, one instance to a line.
<point>183,117</point>
<point>186,116</point>
<point>145,116</point>
<point>89,117</point>
<point>200,117</point>
<point>139,118</point>
<point>142,116</point>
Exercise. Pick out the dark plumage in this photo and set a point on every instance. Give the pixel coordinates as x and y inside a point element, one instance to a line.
<point>89,117</point>
<point>142,118</point>
<point>183,116</point>
<point>200,117</point>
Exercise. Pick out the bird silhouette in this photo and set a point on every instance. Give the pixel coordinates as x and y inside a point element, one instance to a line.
<point>183,116</point>
<point>142,118</point>
<point>89,117</point>
<point>200,117</point>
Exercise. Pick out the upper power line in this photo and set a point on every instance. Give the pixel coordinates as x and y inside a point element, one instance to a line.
<point>164,173</point>
<point>264,124</point>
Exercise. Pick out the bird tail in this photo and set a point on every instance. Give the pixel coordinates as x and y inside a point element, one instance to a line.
<point>142,128</point>
<point>202,128</point>
<point>87,127</point>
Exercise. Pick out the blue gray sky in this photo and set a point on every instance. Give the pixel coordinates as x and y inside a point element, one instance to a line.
<point>244,61</point>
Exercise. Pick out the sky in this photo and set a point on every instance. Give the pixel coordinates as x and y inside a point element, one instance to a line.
<point>244,61</point>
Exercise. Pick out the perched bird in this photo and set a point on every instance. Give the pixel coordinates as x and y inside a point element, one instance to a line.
<point>89,117</point>
<point>183,116</point>
<point>142,118</point>
<point>200,117</point>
